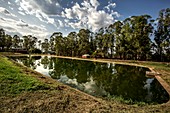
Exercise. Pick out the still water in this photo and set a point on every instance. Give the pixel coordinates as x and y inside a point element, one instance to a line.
<point>100,79</point>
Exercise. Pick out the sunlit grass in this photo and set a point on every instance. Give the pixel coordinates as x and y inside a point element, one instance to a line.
<point>13,81</point>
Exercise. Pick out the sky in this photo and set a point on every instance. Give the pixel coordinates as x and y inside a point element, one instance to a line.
<point>41,18</point>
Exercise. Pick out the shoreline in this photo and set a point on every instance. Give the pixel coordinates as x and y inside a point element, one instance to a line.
<point>156,74</point>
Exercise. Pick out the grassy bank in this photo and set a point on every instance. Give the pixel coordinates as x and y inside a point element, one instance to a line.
<point>23,90</point>
<point>13,81</point>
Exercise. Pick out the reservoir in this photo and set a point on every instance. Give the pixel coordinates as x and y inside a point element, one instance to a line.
<point>105,80</point>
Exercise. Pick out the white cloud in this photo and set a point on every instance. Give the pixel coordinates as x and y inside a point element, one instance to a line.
<point>61,23</point>
<point>68,13</point>
<point>57,4</point>
<point>49,7</point>
<point>9,2</point>
<point>110,6</point>
<point>76,25</point>
<point>15,25</point>
<point>115,14</point>
<point>22,13</point>
<point>86,15</point>
<point>21,23</point>
<point>94,3</point>
<point>6,12</point>
<point>11,8</point>
<point>49,1</point>
<point>99,19</point>
<point>12,26</point>
<point>32,8</point>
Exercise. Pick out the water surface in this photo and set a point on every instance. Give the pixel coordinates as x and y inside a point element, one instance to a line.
<point>101,79</point>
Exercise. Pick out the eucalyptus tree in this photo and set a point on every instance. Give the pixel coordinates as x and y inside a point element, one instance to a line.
<point>58,41</point>
<point>112,39</point>
<point>162,33</point>
<point>21,43</point>
<point>126,40</point>
<point>99,41</point>
<point>45,46</point>
<point>29,43</point>
<point>84,41</point>
<point>16,41</point>
<point>52,44</point>
<point>72,43</point>
<point>106,44</point>
<point>117,27</point>
<point>142,29</point>
<point>8,42</point>
<point>92,42</point>
<point>66,50</point>
<point>2,39</point>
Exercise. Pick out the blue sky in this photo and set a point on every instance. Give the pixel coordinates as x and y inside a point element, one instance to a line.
<point>41,18</point>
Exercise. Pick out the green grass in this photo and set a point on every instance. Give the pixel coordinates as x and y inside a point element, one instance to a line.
<point>13,81</point>
<point>121,100</point>
<point>158,65</point>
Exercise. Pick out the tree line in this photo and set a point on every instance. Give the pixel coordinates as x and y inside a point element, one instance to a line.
<point>135,38</point>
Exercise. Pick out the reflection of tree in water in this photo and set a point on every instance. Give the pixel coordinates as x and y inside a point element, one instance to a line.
<point>45,62</point>
<point>122,80</point>
<point>158,92</point>
<point>117,80</point>
<point>51,62</point>
<point>79,70</point>
<point>28,61</point>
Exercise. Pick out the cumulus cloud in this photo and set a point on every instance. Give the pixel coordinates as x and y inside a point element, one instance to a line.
<point>22,24</point>
<point>49,7</point>
<point>22,13</point>
<point>60,23</point>
<point>41,9</point>
<point>9,2</point>
<point>94,3</point>
<point>86,15</point>
<point>51,15</point>
<point>15,25</point>
<point>24,28</point>
<point>6,12</point>
<point>110,6</point>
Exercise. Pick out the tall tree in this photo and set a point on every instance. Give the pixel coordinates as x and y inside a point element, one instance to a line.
<point>99,41</point>
<point>45,46</point>
<point>84,41</point>
<point>58,37</point>
<point>2,39</point>
<point>72,43</point>
<point>16,41</point>
<point>162,33</point>
<point>142,29</point>
<point>8,42</point>
<point>29,43</point>
<point>117,26</point>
